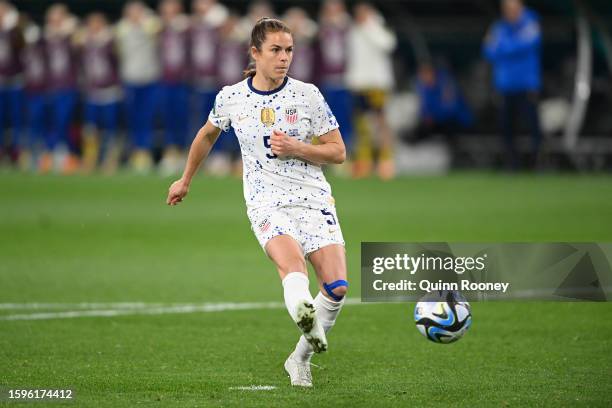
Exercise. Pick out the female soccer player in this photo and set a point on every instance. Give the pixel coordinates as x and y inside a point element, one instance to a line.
<point>289,202</point>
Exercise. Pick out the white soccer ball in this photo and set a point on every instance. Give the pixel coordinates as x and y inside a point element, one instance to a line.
<point>443,316</point>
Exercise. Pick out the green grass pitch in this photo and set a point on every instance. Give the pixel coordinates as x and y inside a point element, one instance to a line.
<point>112,239</point>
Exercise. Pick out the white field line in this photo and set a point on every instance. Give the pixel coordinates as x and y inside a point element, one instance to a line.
<point>119,309</point>
<point>254,388</point>
<point>83,305</point>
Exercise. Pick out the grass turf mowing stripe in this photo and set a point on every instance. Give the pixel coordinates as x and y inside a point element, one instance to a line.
<point>152,310</point>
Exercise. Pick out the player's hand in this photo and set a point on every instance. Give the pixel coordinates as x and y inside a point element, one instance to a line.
<point>177,192</point>
<point>283,145</point>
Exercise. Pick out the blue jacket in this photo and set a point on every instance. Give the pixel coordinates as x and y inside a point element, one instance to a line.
<point>443,102</point>
<point>514,51</point>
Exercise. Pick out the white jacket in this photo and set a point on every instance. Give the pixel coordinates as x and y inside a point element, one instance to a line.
<point>369,58</point>
<point>139,62</point>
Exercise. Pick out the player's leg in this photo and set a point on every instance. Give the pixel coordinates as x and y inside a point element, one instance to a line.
<point>362,165</point>
<point>329,263</point>
<point>386,164</point>
<point>110,150</point>
<point>530,108</point>
<point>17,103</point>
<point>64,112</point>
<point>288,257</point>
<point>507,114</point>
<point>91,136</point>
<point>277,233</point>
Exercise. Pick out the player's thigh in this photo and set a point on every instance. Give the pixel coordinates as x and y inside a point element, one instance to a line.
<point>329,263</point>
<point>277,234</point>
<point>286,254</point>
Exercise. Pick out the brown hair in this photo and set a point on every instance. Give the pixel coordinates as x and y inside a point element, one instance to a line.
<point>263,26</point>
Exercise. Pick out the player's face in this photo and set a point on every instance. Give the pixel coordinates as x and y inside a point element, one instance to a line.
<point>512,10</point>
<point>274,58</point>
<point>170,9</point>
<point>134,12</point>
<point>55,17</point>
<point>333,9</point>
<point>201,7</point>
<point>96,23</point>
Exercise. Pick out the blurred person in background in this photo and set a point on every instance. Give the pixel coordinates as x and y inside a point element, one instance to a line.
<point>139,66</point>
<point>232,53</point>
<point>60,47</point>
<point>443,109</point>
<point>370,77</point>
<point>35,83</point>
<point>208,17</point>
<point>512,45</point>
<point>102,93</point>
<point>331,63</point>
<point>257,9</point>
<point>232,58</point>
<point>174,55</point>
<point>11,80</point>
<point>304,32</point>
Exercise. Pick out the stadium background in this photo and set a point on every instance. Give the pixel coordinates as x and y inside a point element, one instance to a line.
<point>450,33</point>
<point>105,290</point>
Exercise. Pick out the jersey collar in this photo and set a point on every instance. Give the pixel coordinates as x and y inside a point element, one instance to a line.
<point>270,92</point>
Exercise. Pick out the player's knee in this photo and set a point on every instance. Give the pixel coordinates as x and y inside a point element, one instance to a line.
<point>336,290</point>
<point>291,265</point>
<point>340,291</point>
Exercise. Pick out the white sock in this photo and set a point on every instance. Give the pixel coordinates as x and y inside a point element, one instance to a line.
<point>327,311</point>
<point>295,287</point>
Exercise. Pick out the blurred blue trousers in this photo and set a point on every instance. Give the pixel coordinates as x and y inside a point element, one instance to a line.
<point>175,112</point>
<point>140,102</point>
<point>104,118</point>
<point>11,112</point>
<point>61,108</point>
<point>340,102</point>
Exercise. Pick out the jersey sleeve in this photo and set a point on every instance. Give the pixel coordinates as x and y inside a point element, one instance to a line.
<point>322,118</point>
<point>219,115</point>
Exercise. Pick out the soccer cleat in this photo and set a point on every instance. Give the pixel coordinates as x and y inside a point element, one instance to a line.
<point>299,372</point>
<point>311,328</point>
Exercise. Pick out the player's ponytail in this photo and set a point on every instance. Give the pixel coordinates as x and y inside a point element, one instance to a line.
<point>263,26</point>
<point>250,70</point>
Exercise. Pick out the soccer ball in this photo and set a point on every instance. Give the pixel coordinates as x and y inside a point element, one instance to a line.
<point>443,316</point>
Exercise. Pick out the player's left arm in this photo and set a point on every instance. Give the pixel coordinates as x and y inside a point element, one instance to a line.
<point>329,150</point>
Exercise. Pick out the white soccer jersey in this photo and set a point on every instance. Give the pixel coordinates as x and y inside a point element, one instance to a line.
<point>296,108</point>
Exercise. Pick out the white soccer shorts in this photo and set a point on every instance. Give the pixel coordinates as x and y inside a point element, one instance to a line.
<point>312,229</point>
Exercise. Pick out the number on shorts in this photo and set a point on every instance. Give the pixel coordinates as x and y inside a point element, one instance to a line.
<point>329,214</point>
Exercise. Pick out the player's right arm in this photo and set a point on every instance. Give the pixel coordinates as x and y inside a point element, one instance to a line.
<point>200,147</point>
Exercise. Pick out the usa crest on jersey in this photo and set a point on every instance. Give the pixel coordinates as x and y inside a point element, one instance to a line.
<point>291,115</point>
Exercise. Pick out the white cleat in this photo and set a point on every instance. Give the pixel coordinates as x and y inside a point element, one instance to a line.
<point>311,328</point>
<point>299,372</point>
